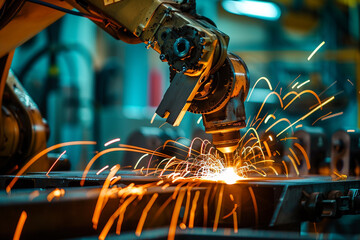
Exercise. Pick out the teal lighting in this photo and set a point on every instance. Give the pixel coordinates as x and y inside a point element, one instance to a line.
<point>251,8</point>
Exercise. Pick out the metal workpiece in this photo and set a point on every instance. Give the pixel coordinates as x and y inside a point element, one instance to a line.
<point>345,152</point>
<point>260,203</point>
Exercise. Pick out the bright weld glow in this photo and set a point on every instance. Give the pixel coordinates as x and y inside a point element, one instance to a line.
<point>302,84</point>
<point>112,141</point>
<point>316,49</point>
<point>251,8</point>
<point>228,175</point>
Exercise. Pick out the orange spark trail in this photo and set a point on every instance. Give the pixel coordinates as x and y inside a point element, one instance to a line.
<point>293,81</point>
<point>161,209</point>
<point>320,118</point>
<point>20,225</point>
<point>351,130</point>
<point>327,88</point>
<point>259,123</point>
<point>193,209</point>
<point>112,141</point>
<point>294,164</point>
<point>268,117</point>
<point>350,82</point>
<point>199,120</point>
<point>103,169</point>
<point>206,199</point>
<point>34,194</point>
<point>332,115</point>
<point>308,114</point>
<point>217,215</point>
<point>294,85</point>
<point>289,138</point>
<point>177,190</point>
<point>276,94</point>
<point>55,194</point>
<point>175,216</point>
<point>231,197</point>
<point>122,210</point>
<point>286,169</point>
<point>111,220</point>
<point>144,214</point>
<point>255,206</point>
<point>267,148</point>
<point>293,153</point>
<point>316,49</point>
<point>262,78</point>
<point>113,180</point>
<point>304,153</point>
<point>232,211</point>
<point>298,96</point>
<point>278,121</point>
<point>42,153</point>
<point>100,201</point>
<point>298,126</point>
<point>235,222</point>
<point>52,166</point>
<point>91,162</point>
<point>188,196</point>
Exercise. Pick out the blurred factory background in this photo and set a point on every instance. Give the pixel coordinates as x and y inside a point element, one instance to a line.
<point>90,86</point>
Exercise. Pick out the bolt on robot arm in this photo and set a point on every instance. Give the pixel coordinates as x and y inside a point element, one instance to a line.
<point>205,78</point>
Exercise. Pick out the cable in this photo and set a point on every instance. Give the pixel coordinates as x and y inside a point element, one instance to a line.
<point>49,5</point>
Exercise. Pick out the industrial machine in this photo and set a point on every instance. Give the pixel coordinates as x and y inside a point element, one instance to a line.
<point>205,78</point>
<point>293,201</point>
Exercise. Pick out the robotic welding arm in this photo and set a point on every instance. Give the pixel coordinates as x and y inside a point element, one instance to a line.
<point>205,78</point>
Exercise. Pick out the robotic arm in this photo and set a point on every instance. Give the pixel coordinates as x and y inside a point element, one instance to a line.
<point>205,78</point>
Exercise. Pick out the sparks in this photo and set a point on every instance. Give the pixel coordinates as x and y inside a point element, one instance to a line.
<point>111,142</point>
<point>302,84</point>
<point>332,115</point>
<point>316,49</point>
<point>103,169</point>
<point>47,174</point>
<point>20,225</point>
